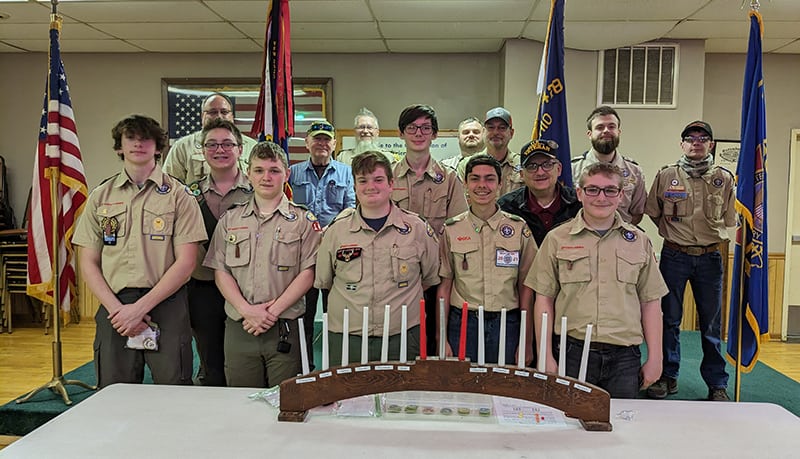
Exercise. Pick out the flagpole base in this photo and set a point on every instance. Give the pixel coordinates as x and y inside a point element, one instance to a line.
<point>58,386</point>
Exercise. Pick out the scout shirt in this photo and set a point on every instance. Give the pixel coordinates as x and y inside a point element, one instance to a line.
<point>486,259</point>
<point>136,229</point>
<point>634,194</point>
<point>186,161</point>
<point>692,211</point>
<point>362,267</point>
<point>212,206</point>
<point>436,196</point>
<point>264,254</point>
<point>598,280</point>
<point>509,166</point>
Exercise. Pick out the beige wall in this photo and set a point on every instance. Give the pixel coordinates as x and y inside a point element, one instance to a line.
<point>106,87</point>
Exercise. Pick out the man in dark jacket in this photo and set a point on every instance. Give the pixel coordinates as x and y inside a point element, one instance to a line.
<point>543,202</point>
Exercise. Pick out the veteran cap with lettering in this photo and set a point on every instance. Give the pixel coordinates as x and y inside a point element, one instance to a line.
<point>538,147</point>
<point>698,126</point>
<point>321,127</point>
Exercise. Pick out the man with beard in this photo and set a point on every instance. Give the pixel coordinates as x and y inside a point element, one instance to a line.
<point>604,131</point>
<point>185,160</point>
<point>366,133</point>
<point>470,142</point>
<point>498,132</point>
<point>692,203</point>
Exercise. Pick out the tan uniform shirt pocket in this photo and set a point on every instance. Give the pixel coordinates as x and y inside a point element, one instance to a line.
<point>573,266</point>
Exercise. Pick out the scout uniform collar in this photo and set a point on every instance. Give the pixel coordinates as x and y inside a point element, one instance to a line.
<point>283,208</point>
<point>434,170</point>
<point>493,221</point>
<point>578,224</point>
<point>394,219</point>
<point>157,176</point>
<point>241,182</point>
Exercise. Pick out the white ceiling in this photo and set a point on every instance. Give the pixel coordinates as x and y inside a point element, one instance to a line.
<point>395,26</point>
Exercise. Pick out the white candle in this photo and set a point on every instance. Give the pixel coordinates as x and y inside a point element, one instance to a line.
<point>585,356</point>
<point>404,335</point>
<point>442,329</point>
<point>365,337</point>
<point>303,348</point>
<point>346,338</point>
<point>481,343</point>
<point>542,362</point>
<point>501,351</point>
<point>562,348</point>
<point>325,362</point>
<point>385,342</point>
<point>521,346</point>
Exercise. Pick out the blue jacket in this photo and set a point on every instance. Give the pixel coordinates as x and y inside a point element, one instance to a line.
<point>327,196</point>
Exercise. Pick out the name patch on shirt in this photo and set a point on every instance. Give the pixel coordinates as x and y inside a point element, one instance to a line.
<point>675,195</point>
<point>507,258</point>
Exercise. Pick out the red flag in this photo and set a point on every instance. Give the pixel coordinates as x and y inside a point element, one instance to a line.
<point>57,155</point>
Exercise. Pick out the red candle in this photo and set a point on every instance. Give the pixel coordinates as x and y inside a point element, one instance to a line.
<point>462,342</point>
<point>423,348</point>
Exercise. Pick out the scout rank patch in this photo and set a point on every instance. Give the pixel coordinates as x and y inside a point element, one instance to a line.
<point>110,226</point>
<point>350,253</point>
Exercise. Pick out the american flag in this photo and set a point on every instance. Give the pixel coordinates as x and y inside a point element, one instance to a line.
<point>184,110</point>
<point>58,155</point>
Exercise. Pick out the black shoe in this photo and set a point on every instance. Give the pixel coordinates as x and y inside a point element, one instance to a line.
<point>661,388</point>
<point>718,395</point>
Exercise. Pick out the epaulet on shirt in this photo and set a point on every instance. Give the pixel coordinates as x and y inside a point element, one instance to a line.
<point>342,215</point>
<point>237,204</point>
<point>580,157</point>
<point>511,216</point>
<point>108,179</point>
<point>724,169</point>
<point>301,206</point>
<point>453,220</point>
<point>629,160</point>
<point>187,184</point>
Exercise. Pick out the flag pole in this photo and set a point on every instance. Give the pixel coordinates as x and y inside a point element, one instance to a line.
<point>57,384</point>
<point>737,384</point>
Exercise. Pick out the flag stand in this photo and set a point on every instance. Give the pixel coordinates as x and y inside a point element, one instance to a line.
<point>57,384</point>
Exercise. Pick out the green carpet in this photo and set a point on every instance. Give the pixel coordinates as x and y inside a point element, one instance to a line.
<point>763,384</point>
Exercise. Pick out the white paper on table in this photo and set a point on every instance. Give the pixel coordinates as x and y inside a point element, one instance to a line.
<point>510,411</point>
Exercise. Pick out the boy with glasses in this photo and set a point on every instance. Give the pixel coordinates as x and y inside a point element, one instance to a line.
<point>185,160</point>
<point>692,203</point>
<point>425,187</point>
<point>224,186</point>
<point>596,269</point>
<point>543,202</point>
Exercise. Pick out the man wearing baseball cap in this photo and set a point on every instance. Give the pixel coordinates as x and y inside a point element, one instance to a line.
<point>692,203</point>
<point>325,187</point>
<point>543,202</point>
<point>498,132</point>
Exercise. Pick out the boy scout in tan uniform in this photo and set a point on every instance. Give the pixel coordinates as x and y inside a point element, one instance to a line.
<point>223,187</point>
<point>424,186</point>
<point>483,262</point>
<point>597,269</point>
<point>692,202</point>
<point>138,236</point>
<point>363,266</point>
<point>264,260</point>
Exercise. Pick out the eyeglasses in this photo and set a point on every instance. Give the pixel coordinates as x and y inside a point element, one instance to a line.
<point>321,127</point>
<point>365,127</point>
<point>223,112</point>
<point>546,166</point>
<point>413,128</point>
<point>693,139</point>
<point>610,192</point>
<point>226,146</point>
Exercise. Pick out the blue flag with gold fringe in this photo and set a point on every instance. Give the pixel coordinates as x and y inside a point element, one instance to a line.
<point>551,113</point>
<point>750,290</point>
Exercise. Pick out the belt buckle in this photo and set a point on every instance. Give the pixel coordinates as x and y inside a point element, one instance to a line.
<point>695,251</point>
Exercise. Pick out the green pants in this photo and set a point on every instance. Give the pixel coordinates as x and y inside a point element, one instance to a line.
<point>254,361</point>
<point>374,346</point>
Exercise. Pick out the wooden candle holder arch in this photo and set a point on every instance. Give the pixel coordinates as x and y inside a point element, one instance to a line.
<point>586,402</point>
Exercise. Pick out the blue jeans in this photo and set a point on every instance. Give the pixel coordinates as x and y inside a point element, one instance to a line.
<point>704,273</point>
<point>491,330</point>
<point>613,368</point>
